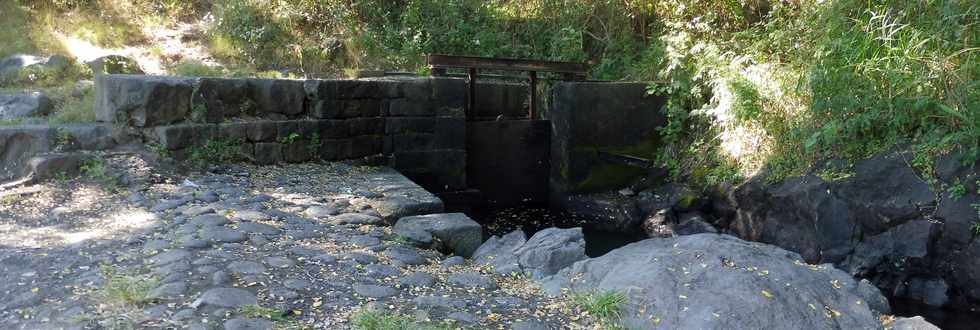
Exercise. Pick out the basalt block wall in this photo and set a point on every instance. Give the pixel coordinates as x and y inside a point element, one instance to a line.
<point>588,118</point>
<point>416,125</point>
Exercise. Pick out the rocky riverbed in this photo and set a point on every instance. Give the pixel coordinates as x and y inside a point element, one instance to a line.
<point>303,246</point>
<point>337,246</point>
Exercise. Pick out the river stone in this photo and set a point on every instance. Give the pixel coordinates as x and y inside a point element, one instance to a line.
<point>417,279</point>
<point>320,212</point>
<point>500,252</point>
<point>472,280</point>
<point>681,282</point>
<point>248,324</point>
<point>456,232</point>
<point>225,297</point>
<point>550,250</point>
<point>168,291</point>
<point>912,323</point>
<point>404,254</point>
<point>246,267</point>
<point>439,301</point>
<point>223,235</point>
<point>374,291</point>
<point>21,105</point>
<point>355,219</point>
<point>170,257</point>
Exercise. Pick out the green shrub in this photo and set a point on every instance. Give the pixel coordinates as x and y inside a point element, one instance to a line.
<point>194,68</point>
<point>75,110</point>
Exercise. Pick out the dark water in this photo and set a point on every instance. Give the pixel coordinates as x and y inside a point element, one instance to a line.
<point>531,219</point>
<point>943,318</point>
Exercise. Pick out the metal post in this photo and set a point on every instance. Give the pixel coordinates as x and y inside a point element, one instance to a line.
<point>471,109</point>
<point>533,77</point>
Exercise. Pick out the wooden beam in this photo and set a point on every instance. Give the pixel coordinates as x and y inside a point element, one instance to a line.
<point>439,61</point>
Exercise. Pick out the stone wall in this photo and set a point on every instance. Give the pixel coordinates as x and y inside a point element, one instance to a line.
<point>18,144</point>
<point>593,117</point>
<point>416,125</point>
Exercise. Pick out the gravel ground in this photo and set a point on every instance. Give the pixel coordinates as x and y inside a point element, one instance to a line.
<point>241,247</point>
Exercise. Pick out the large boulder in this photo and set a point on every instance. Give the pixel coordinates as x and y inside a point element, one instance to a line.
<point>114,64</point>
<point>912,323</point>
<point>547,252</point>
<point>550,250</point>
<point>710,281</point>
<point>18,144</point>
<point>12,67</point>
<point>21,105</point>
<point>450,232</point>
<point>142,101</point>
<point>500,252</point>
<point>800,214</point>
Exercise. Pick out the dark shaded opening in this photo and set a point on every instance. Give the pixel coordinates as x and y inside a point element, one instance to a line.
<point>946,319</point>
<point>533,218</point>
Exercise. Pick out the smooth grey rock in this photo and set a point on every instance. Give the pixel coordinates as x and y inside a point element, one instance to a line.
<point>320,212</point>
<point>396,207</point>
<point>223,235</point>
<point>171,204</point>
<point>154,246</point>
<point>463,317</point>
<point>550,250</point>
<point>22,105</point>
<point>170,257</point>
<point>168,291</point>
<point>253,216</point>
<point>472,280</point>
<point>260,228</point>
<point>750,285</point>
<point>365,241</point>
<point>361,257</point>
<point>417,279</point>
<point>501,252</point>
<point>404,254</point>
<point>297,284</point>
<point>377,270</point>
<point>912,323</point>
<point>530,325</point>
<point>248,324</point>
<point>225,297</point>
<point>374,291</point>
<point>279,262</point>
<point>439,302</point>
<point>452,261</point>
<point>355,219</point>
<point>456,232</point>
<point>246,267</point>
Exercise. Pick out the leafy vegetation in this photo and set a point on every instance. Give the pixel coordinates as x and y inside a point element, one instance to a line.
<point>125,290</point>
<point>95,170</point>
<point>372,319</point>
<point>215,151</point>
<point>752,85</point>
<point>604,306</point>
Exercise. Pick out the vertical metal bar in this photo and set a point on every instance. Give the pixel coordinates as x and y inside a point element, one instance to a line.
<point>471,109</point>
<point>533,108</point>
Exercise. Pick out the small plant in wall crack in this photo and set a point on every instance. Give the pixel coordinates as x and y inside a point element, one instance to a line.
<point>215,151</point>
<point>199,113</point>
<point>314,146</point>
<point>956,191</point>
<point>292,137</point>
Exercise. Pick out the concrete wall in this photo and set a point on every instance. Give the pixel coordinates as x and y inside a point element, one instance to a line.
<point>592,117</point>
<point>416,125</point>
<point>508,161</point>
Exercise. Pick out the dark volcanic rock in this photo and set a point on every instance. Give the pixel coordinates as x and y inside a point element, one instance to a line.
<point>710,281</point>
